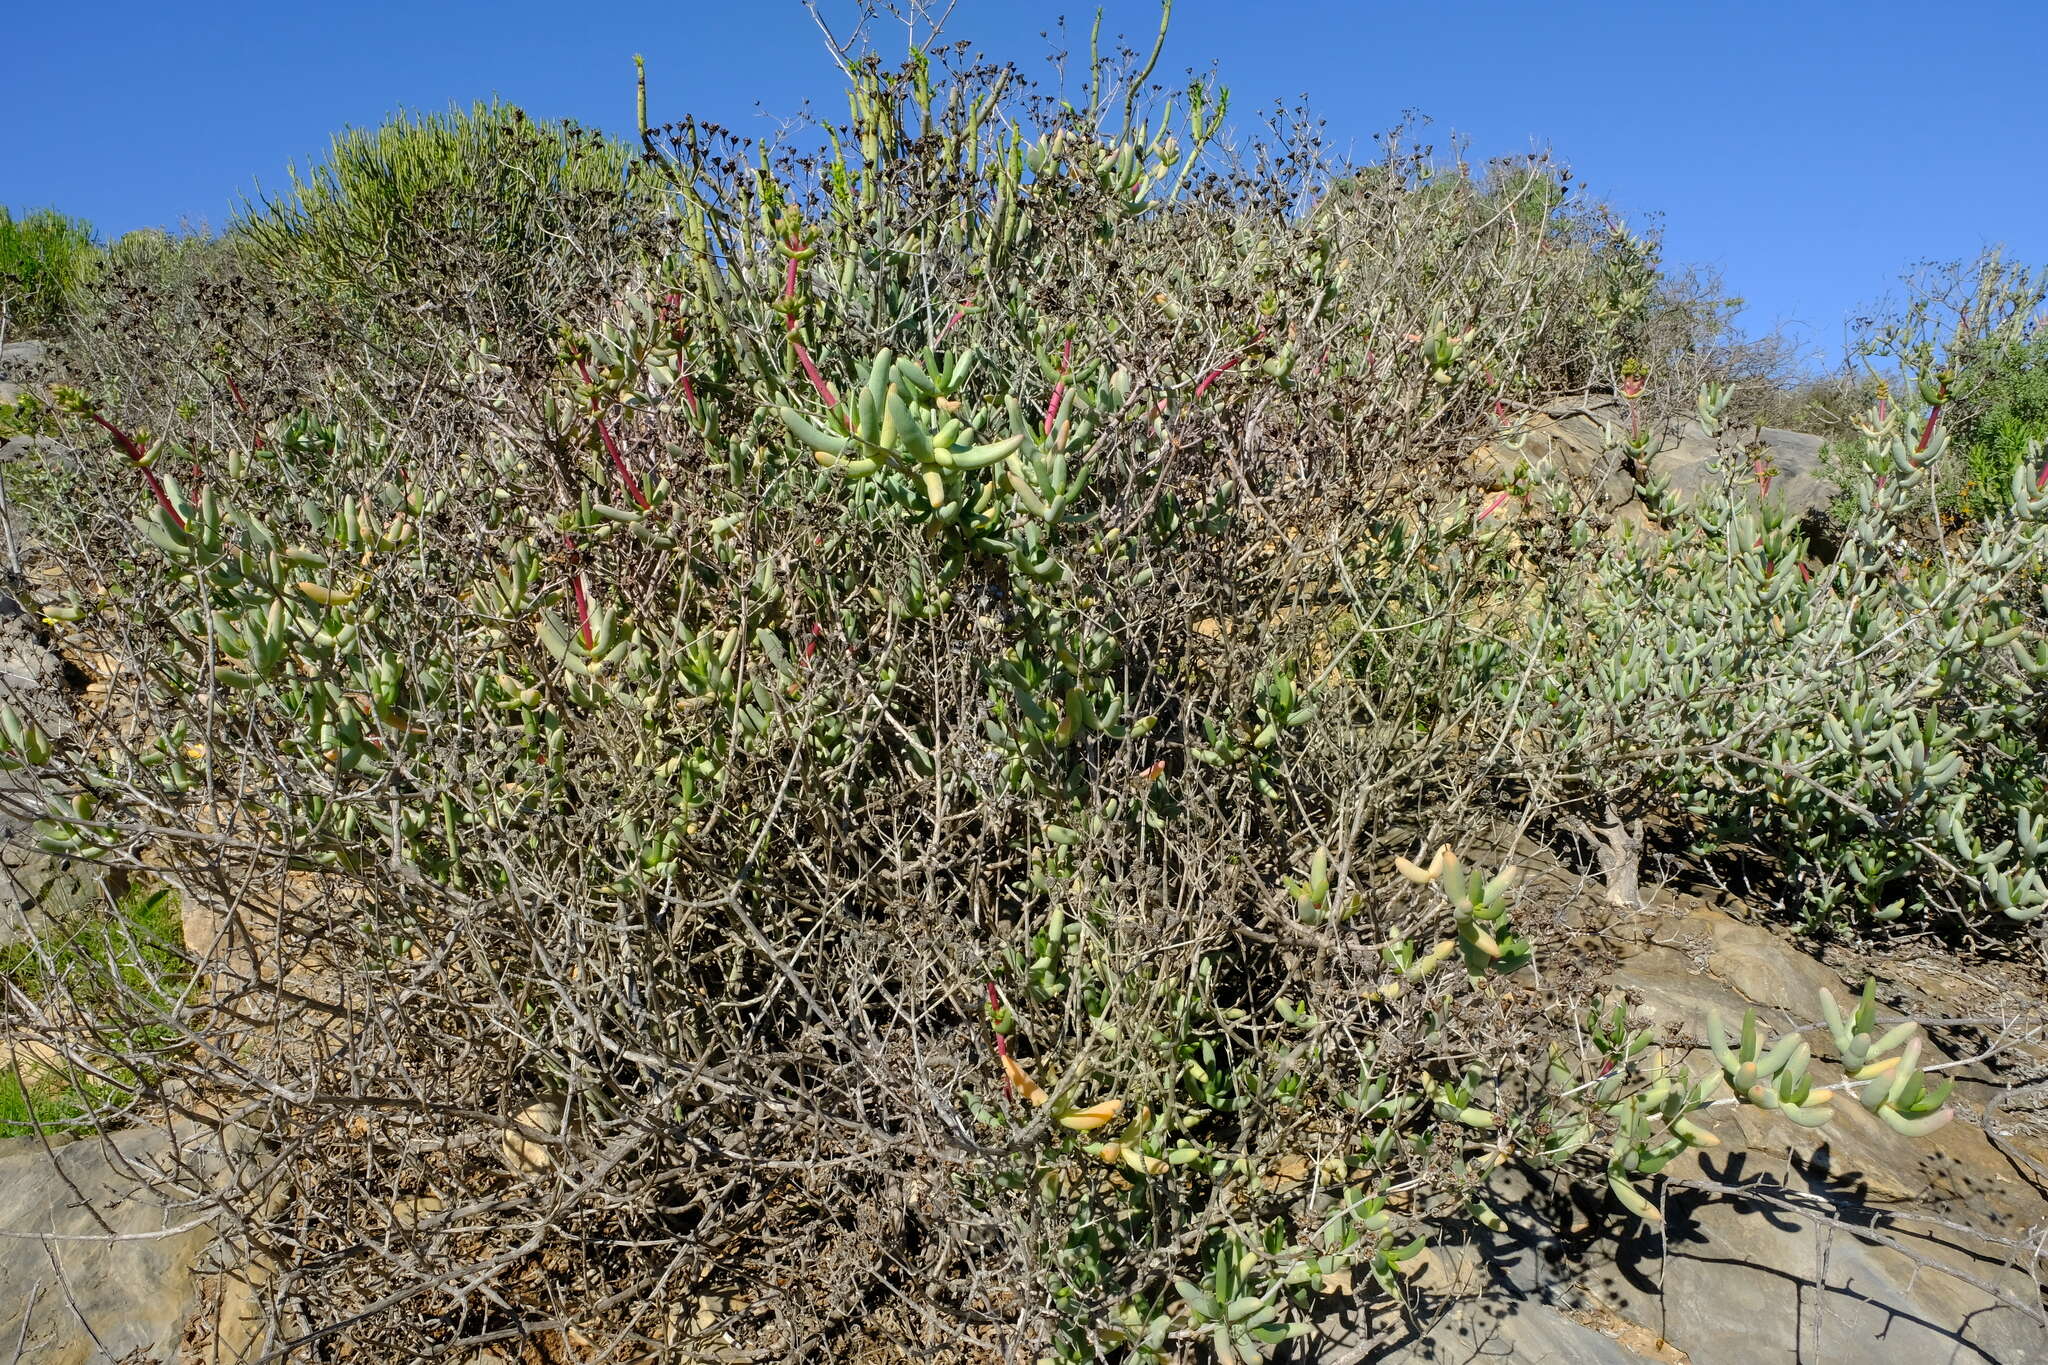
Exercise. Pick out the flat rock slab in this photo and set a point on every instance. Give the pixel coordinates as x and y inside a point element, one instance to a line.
<point>1501,1328</point>
<point>95,1268</point>
<point>1752,1283</point>
<point>1743,1283</point>
<point>1786,1245</point>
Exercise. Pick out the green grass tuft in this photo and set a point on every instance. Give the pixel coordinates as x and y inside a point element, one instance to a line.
<point>130,952</point>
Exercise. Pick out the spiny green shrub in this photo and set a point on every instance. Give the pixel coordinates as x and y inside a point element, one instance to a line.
<point>501,223</point>
<point>44,258</point>
<point>873,771</point>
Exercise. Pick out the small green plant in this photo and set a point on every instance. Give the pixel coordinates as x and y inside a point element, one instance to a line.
<point>35,1099</point>
<point>135,944</point>
<point>2005,420</point>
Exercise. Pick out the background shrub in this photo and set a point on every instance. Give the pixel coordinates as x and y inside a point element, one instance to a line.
<point>1868,728</point>
<point>44,257</point>
<point>2006,417</point>
<point>491,223</point>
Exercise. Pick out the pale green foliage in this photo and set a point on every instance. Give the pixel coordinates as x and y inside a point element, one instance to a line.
<point>1872,723</point>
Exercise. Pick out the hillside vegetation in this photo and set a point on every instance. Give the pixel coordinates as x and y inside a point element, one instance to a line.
<point>911,729</point>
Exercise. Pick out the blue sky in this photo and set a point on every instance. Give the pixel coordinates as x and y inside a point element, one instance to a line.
<point>1809,150</point>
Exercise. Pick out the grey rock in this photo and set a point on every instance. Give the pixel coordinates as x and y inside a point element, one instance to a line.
<point>1749,1281</point>
<point>36,889</point>
<point>96,1267</point>
<point>1573,438</point>
<point>1741,1281</point>
<point>1709,960</point>
<point>25,361</point>
<point>1762,967</point>
<point>31,673</point>
<point>42,448</point>
<point>1694,464</point>
<point>1500,1327</point>
<point>1481,1304</point>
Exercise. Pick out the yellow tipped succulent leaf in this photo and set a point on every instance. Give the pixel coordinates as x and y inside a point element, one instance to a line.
<point>1143,1163</point>
<point>1032,1092</point>
<point>326,596</point>
<point>1093,1117</point>
<point>1135,1129</point>
<point>1632,1200</point>
<point>1694,1134</point>
<point>1915,1127</point>
<point>1422,876</point>
<point>1134,1158</point>
<point>1805,1115</point>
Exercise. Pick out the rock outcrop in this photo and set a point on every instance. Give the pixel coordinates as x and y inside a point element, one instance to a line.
<point>1572,437</point>
<point>35,888</point>
<point>22,365</point>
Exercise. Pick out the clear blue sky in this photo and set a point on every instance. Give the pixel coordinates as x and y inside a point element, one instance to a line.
<point>1810,149</point>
